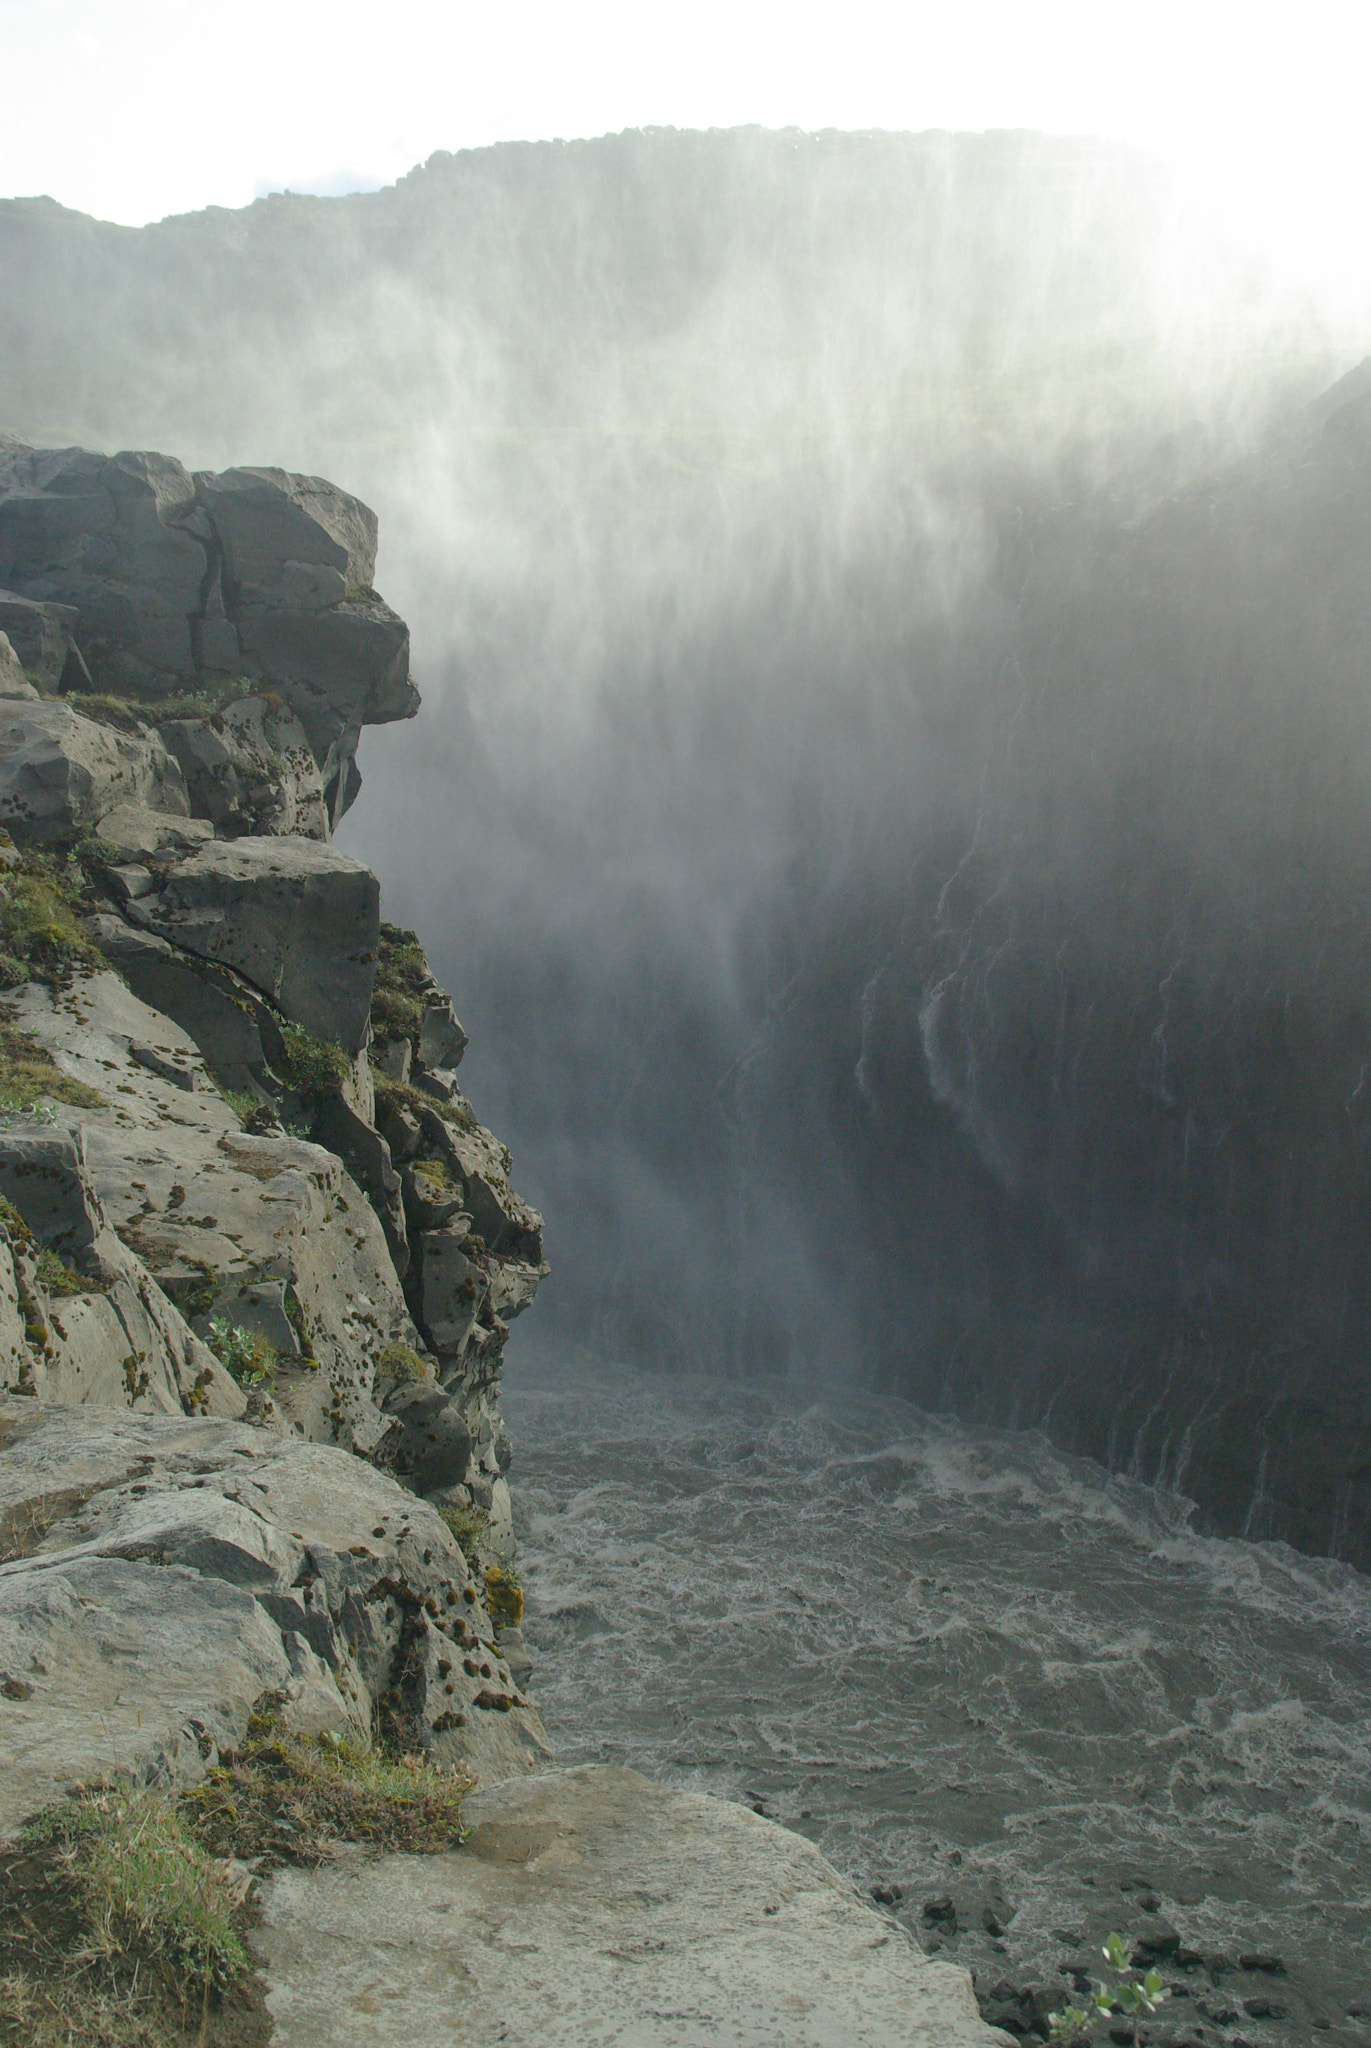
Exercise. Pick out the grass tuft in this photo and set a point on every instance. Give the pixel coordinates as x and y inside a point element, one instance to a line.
<point>287,1797</point>
<point>116,1927</point>
<point>41,934</point>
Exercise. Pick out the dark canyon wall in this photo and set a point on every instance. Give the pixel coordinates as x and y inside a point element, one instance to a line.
<point>892,616</point>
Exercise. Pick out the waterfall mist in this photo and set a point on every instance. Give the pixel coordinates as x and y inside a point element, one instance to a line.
<point>891,795</point>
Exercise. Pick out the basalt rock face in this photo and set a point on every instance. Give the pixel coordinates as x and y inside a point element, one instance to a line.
<point>126,574</point>
<point>225,1195</point>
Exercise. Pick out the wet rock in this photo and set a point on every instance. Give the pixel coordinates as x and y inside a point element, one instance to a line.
<point>618,1902</point>
<point>1153,1941</point>
<point>1262,1959</point>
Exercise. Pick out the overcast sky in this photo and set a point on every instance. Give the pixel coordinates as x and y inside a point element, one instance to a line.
<point>133,109</point>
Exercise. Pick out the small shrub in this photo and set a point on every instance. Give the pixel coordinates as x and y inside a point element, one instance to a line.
<point>242,1352</point>
<point>315,1068</point>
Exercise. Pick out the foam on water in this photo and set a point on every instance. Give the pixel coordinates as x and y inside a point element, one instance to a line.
<point>962,1664</point>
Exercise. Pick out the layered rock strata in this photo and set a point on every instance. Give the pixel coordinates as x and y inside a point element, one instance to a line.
<point>239,1178</point>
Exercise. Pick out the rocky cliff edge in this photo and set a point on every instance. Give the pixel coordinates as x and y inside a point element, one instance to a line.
<point>239,1182</point>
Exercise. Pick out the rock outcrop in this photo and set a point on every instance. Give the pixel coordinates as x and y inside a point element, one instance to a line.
<point>126,574</point>
<point>239,1180</point>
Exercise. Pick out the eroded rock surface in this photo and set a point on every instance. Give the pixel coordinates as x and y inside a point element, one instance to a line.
<point>161,1574</point>
<point>593,1905</point>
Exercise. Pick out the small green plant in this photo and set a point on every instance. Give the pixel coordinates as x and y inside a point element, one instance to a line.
<point>1133,1996</point>
<point>471,1527</point>
<point>314,1067</point>
<point>242,1352</point>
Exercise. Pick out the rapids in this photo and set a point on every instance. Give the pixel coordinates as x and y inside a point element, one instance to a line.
<point>971,1669</point>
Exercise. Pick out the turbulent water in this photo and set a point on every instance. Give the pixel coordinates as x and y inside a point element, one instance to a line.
<point>969,1668</point>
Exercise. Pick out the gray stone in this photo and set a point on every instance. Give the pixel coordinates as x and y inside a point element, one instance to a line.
<point>454,1290</point>
<point>214,1006</point>
<point>393,1057</point>
<point>143,833</point>
<point>431,1447</point>
<point>129,883</point>
<point>212,1210</point>
<point>297,919</point>
<point>250,770</point>
<point>594,1906</point>
<point>180,1568</point>
<point>60,772</point>
<point>40,635</point>
<point>442,1040</point>
<point>13,681</point>
<point>272,525</point>
<point>125,1345</point>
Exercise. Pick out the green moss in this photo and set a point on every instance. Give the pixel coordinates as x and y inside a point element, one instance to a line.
<point>402,989</point>
<point>41,935</point>
<point>401,1095</point>
<point>285,1797</point>
<point>399,1362</point>
<point>55,1274</point>
<point>504,1595</point>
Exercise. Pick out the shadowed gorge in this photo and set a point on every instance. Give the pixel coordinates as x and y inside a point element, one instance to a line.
<point>892,613</point>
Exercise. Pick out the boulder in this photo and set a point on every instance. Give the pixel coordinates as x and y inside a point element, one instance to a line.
<point>163,1573</point>
<point>123,1343</point>
<point>41,636</point>
<point>60,773</point>
<point>432,1445</point>
<point>442,1040</point>
<point>13,681</point>
<point>170,581</point>
<point>211,1004</point>
<point>141,833</point>
<point>297,541</point>
<point>297,919</point>
<point>453,1289</point>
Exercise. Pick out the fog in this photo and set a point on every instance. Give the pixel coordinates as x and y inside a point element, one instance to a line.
<point>891,794</point>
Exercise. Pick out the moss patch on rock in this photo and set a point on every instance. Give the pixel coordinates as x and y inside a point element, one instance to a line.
<point>41,934</point>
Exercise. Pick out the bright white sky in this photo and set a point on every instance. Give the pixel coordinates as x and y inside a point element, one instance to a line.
<point>133,109</point>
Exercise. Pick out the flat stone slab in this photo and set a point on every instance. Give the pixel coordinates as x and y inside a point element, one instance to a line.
<point>592,1908</point>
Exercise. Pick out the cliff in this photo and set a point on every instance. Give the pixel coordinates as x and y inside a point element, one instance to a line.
<point>240,1180</point>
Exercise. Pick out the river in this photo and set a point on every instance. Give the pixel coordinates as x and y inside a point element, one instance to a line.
<point>979,1674</point>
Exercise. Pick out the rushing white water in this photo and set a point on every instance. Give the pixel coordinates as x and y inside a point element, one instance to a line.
<point>965,1666</point>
